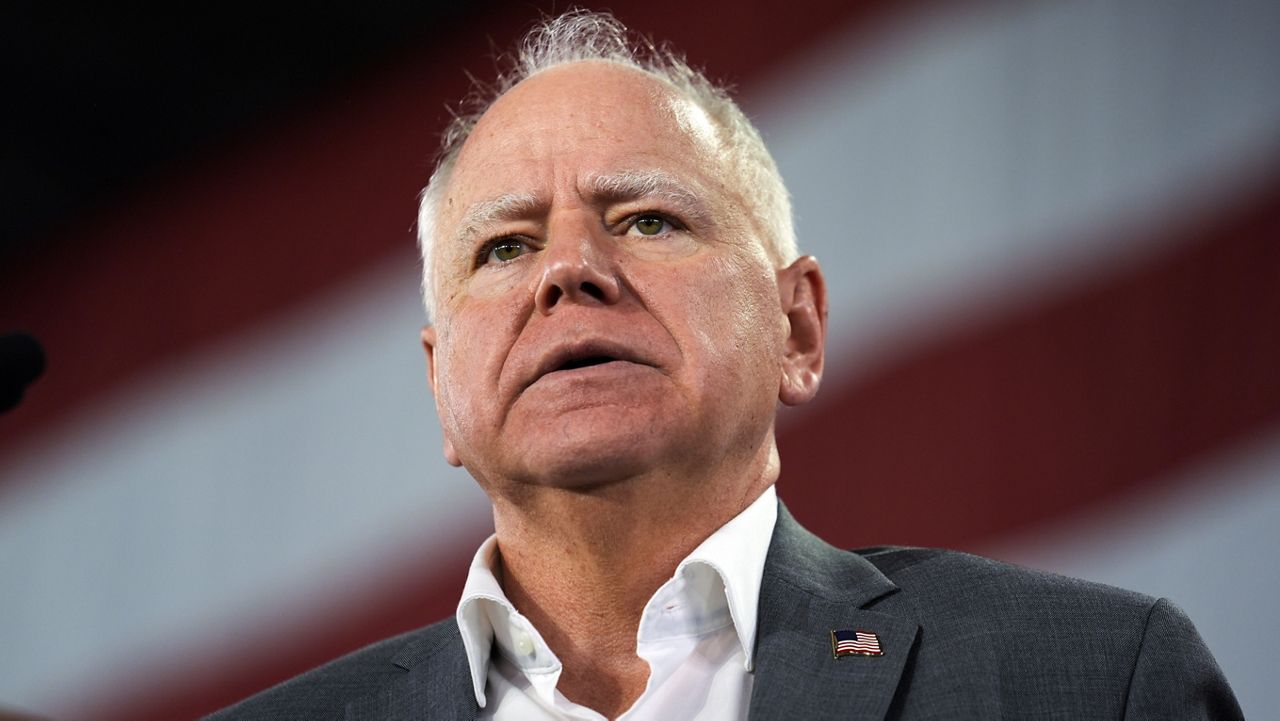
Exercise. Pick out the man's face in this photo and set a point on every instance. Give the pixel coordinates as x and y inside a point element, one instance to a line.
<point>604,304</point>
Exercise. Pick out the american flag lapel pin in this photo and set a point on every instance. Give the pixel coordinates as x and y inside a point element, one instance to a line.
<point>856,642</point>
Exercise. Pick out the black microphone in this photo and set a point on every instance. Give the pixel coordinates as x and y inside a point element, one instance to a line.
<point>21,361</point>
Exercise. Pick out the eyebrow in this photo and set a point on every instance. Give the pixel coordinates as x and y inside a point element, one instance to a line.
<point>507,206</point>
<point>622,186</point>
<point>628,185</point>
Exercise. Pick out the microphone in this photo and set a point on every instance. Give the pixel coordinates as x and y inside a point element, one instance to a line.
<point>21,362</point>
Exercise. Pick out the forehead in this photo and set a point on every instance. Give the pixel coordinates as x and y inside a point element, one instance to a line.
<point>577,121</point>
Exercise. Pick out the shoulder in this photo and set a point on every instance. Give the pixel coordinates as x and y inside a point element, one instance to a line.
<point>935,579</point>
<point>1039,640</point>
<point>323,693</point>
<point>1012,609</point>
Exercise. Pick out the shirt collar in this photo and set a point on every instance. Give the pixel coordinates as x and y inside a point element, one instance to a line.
<point>736,553</point>
<point>725,570</point>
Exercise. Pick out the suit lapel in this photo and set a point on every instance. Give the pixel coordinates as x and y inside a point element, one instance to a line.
<point>435,686</point>
<point>809,590</point>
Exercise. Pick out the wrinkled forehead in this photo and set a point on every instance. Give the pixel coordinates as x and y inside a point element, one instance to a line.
<point>592,117</point>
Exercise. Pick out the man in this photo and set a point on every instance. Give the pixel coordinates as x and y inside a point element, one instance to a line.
<point>617,307</point>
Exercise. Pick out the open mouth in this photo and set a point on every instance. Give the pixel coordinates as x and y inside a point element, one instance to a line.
<point>586,354</point>
<point>586,362</point>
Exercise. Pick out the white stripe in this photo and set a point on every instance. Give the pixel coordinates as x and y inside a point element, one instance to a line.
<point>252,488</point>
<point>931,173</point>
<point>975,157</point>
<point>1209,548</point>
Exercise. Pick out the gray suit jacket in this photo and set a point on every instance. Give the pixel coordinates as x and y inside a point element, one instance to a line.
<point>963,637</point>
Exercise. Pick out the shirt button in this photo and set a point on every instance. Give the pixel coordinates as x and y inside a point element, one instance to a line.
<point>523,642</point>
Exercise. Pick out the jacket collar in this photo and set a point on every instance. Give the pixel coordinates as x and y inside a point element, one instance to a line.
<point>436,685</point>
<point>809,590</point>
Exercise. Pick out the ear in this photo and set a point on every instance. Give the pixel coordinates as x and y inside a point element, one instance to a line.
<point>802,293</point>
<point>429,346</point>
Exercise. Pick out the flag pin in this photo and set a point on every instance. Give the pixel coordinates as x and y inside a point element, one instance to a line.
<point>855,643</point>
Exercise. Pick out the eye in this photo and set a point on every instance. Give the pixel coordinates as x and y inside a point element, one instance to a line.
<point>650,225</point>
<point>501,250</point>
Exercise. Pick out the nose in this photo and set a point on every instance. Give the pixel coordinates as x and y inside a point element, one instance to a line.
<point>578,267</point>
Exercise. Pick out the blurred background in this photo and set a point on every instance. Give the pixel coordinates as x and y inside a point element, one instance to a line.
<point>1051,232</point>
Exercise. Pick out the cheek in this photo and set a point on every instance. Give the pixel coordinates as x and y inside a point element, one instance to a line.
<point>673,247</point>
<point>451,384</point>
<point>462,369</point>
<point>752,303</point>
<point>476,336</point>
<point>736,322</point>
<point>496,281</point>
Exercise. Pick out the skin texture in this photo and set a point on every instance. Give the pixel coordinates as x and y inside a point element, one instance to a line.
<point>590,214</point>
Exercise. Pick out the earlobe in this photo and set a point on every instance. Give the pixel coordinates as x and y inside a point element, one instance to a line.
<point>429,347</point>
<point>451,454</point>
<point>802,292</point>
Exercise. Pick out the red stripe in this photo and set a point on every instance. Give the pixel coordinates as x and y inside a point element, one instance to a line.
<point>400,598</point>
<point>1047,410</point>
<point>258,232</point>
<point>1054,408</point>
<point>304,206</point>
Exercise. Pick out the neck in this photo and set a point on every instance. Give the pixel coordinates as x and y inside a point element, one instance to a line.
<point>582,563</point>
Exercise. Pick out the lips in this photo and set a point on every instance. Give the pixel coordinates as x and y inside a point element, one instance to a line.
<point>583,354</point>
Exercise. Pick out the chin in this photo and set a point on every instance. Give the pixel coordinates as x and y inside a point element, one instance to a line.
<point>588,441</point>
<point>590,458</point>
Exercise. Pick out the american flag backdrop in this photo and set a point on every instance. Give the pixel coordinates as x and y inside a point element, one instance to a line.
<point>1051,234</point>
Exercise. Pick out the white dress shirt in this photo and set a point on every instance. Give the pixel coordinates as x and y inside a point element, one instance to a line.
<point>697,633</point>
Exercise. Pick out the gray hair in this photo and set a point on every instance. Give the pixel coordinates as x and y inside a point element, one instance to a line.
<point>580,35</point>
